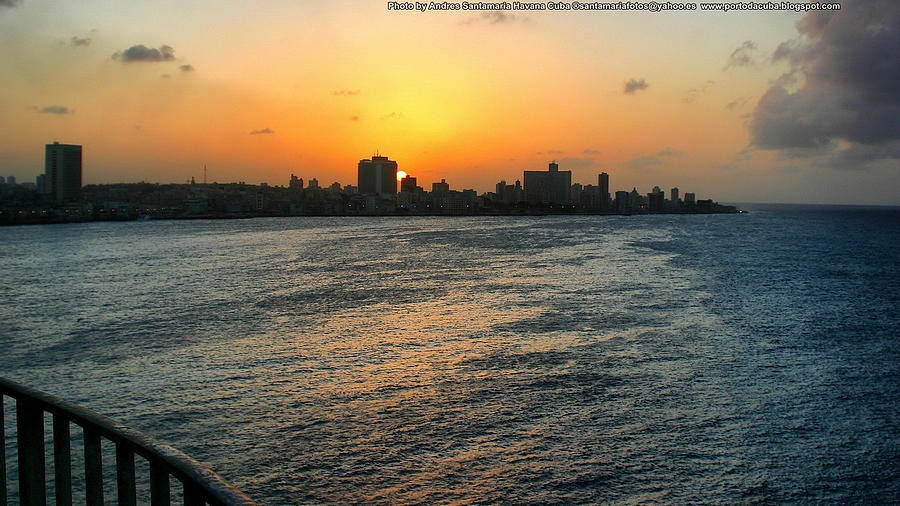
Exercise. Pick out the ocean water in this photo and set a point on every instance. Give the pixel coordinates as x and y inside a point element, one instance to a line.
<point>748,358</point>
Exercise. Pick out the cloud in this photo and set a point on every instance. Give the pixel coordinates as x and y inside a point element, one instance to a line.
<point>736,103</point>
<point>393,115</point>
<point>56,109</point>
<point>646,161</point>
<point>9,3</point>
<point>354,118</point>
<point>345,93</point>
<point>634,85</point>
<point>695,93</point>
<point>590,151</point>
<point>846,106</point>
<point>550,152</point>
<point>262,131</point>
<point>742,56</point>
<point>577,163</point>
<point>496,18</point>
<point>142,53</point>
<point>186,68</point>
<point>80,41</point>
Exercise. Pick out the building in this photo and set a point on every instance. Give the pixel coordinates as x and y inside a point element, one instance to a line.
<point>11,180</point>
<point>440,188</point>
<point>62,168</point>
<point>689,198</point>
<point>604,191</point>
<point>551,187</point>
<point>622,204</point>
<point>408,184</point>
<point>655,201</point>
<point>295,183</point>
<point>673,195</point>
<point>377,176</point>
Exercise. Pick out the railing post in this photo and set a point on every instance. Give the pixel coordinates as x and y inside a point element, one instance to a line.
<point>93,468</point>
<point>192,495</point>
<point>159,485</point>
<point>2,453</point>
<point>30,428</point>
<point>62,460</point>
<point>127,492</point>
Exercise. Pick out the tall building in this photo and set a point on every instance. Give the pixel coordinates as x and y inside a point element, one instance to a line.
<point>377,176</point>
<point>296,183</point>
<point>550,187</point>
<point>604,191</point>
<point>11,180</point>
<point>62,168</point>
<point>622,204</point>
<point>673,195</point>
<point>689,198</point>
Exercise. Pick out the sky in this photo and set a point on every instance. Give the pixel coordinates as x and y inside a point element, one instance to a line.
<point>761,106</point>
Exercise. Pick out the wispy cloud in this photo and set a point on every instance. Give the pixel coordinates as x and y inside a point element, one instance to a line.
<point>262,131</point>
<point>186,68</point>
<point>77,41</point>
<point>393,115</point>
<point>742,56</point>
<point>142,53</point>
<point>694,93</point>
<point>496,18</point>
<point>55,109</point>
<point>590,151</point>
<point>345,93</point>
<point>634,85</point>
<point>646,161</point>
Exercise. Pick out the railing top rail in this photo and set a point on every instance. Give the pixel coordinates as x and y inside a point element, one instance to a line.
<point>179,464</point>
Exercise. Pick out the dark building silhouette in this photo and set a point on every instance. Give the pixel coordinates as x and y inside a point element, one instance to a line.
<point>604,191</point>
<point>408,184</point>
<point>622,202</point>
<point>378,176</point>
<point>440,188</point>
<point>548,187</point>
<point>62,170</point>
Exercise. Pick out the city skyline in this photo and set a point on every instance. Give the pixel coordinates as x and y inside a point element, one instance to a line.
<point>747,106</point>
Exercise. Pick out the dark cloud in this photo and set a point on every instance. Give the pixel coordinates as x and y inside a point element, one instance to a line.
<point>634,85</point>
<point>646,161</point>
<point>262,131</point>
<point>142,53</point>
<point>80,41</point>
<point>849,86</point>
<point>10,3</point>
<point>56,109</point>
<point>345,93</point>
<point>186,68</point>
<point>495,18</point>
<point>590,151</point>
<point>743,55</point>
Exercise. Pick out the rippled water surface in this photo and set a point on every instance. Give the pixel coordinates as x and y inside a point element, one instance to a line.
<point>718,358</point>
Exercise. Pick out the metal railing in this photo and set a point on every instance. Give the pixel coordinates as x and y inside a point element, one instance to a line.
<point>201,484</point>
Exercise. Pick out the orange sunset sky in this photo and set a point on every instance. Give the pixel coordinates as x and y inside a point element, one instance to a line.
<point>737,106</point>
